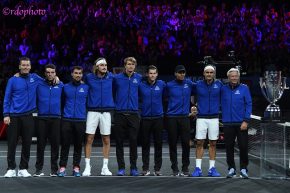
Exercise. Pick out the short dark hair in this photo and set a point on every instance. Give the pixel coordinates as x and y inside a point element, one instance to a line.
<point>77,68</point>
<point>52,66</point>
<point>152,67</point>
<point>23,59</point>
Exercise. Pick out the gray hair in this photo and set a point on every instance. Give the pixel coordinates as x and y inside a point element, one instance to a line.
<point>233,70</point>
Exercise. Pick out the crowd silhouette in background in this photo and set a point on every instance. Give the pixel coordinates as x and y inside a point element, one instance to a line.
<point>162,33</point>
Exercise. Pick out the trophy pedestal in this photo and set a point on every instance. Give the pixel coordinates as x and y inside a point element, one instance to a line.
<point>272,113</point>
<point>275,161</point>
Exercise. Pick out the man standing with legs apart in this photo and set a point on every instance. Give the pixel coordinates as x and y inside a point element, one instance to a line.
<point>208,93</point>
<point>100,103</point>
<point>179,93</point>
<point>18,106</point>
<point>151,94</point>
<point>49,119</point>
<point>127,116</point>
<point>236,113</point>
<point>74,121</point>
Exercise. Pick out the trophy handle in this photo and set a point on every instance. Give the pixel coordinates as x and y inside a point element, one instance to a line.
<point>284,84</point>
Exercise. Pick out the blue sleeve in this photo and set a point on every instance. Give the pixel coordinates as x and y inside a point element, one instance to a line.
<point>7,98</point>
<point>37,77</point>
<point>248,104</point>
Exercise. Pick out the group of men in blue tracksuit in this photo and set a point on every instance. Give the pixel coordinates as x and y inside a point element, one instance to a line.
<point>81,107</point>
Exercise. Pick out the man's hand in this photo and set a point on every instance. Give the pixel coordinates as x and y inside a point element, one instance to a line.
<point>244,126</point>
<point>17,74</point>
<point>56,80</point>
<point>193,111</point>
<point>7,120</point>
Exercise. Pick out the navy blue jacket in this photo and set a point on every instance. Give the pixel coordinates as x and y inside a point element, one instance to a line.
<point>208,98</point>
<point>151,99</point>
<point>126,92</point>
<point>179,94</point>
<point>236,104</point>
<point>49,99</point>
<point>20,95</point>
<point>100,96</point>
<point>75,101</point>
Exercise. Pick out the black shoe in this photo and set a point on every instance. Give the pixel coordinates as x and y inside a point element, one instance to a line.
<point>184,173</point>
<point>157,173</point>
<point>175,173</point>
<point>38,173</point>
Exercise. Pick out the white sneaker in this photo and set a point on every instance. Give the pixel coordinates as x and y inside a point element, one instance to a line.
<point>23,173</point>
<point>87,171</point>
<point>106,172</point>
<point>10,174</point>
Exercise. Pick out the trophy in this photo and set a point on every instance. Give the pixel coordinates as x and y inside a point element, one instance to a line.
<point>272,86</point>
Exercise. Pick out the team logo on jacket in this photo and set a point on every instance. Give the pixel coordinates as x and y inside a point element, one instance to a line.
<point>55,86</point>
<point>237,92</point>
<point>135,80</point>
<point>31,79</point>
<point>215,86</point>
<point>81,90</point>
<point>157,88</point>
<point>185,86</point>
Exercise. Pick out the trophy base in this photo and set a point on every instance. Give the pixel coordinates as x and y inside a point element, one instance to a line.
<point>272,113</point>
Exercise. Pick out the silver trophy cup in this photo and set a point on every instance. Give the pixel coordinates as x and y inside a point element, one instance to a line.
<point>272,86</point>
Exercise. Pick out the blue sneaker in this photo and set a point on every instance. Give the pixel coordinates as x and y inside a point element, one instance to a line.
<point>244,174</point>
<point>134,172</point>
<point>121,172</point>
<point>197,172</point>
<point>212,172</point>
<point>61,172</point>
<point>232,173</point>
<point>76,172</point>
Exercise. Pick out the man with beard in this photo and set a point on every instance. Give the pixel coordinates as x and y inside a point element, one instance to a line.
<point>100,103</point>
<point>178,92</point>
<point>74,121</point>
<point>49,119</point>
<point>151,95</point>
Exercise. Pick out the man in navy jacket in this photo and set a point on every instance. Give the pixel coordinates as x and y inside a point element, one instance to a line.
<point>236,113</point>
<point>73,127</point>
<point>179,93</point>
<point>151,95</point>
<point>127,114</point>
<point>49,119</point>
<point>19,104</point>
